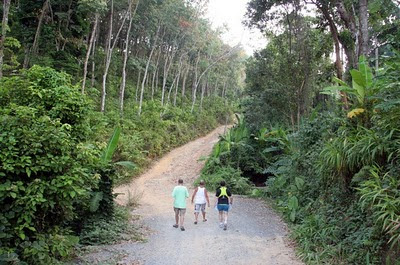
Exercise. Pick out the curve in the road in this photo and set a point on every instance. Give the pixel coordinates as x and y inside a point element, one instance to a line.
<point>255,234</point>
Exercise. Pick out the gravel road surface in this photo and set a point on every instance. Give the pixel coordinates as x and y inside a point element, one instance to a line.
<point>255,235</point>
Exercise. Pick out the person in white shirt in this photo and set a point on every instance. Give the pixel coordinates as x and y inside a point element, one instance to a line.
<point>200,198</point>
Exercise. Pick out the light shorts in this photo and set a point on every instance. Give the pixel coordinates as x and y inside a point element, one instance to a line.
<point>223,207</point>
<point>180,211</point>
<point>199,207</point>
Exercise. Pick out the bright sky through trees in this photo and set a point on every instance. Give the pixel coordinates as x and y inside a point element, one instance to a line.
<point>231,13</point>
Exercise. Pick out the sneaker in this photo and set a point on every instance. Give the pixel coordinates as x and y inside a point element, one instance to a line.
<point>195,222</point>
<point>225,226</point>
<point>182,228</point>
<point>176,226</point>
<point>204,220</point>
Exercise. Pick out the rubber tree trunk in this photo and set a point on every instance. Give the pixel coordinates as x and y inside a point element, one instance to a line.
<point>89,49</point>
<point>184,85</point>
<point>157,80</point>
<point>110,50</point>
<point>6,9</point>
<point>171,88</point>
<point>215,90</point>
<point>197,80</point>
<point>147,69</point>
<point>203,88</point>
<point>93,59</point>
<point>364,38</point>
<point>153,81</point>
<point>195,83</point>
<point>376,59</point>
<point>167,66</point>
<point>35,44</point>
<point>335,37</point>
<point>108,47</point>
<point>178,77</point>
<point>125,59</point>
<point>137,87</point>
<point>223,89</point>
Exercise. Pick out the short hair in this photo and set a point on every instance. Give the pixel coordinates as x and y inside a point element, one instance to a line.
<point>201,182</point>
<point>180,181</point>
<point>222,183</point>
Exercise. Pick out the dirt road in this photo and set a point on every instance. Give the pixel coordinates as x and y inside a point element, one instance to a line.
<point>255,234</point>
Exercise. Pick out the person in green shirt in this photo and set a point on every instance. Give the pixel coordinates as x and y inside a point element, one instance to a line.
<point>180,194</point>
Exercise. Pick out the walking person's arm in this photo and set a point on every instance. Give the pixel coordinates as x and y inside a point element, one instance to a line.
<point>217,193</point>
<point>206,194</point>
<point>194,194</point>
<point>230,196</point>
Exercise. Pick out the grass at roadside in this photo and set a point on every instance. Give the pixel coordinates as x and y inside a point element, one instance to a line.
<point>122,226</point>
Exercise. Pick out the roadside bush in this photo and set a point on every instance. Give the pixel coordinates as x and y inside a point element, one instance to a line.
<point>236,183</point>
<point>46,169</point>
<point>99,230</point>
<point>349,205</point>
<point>334,179</point>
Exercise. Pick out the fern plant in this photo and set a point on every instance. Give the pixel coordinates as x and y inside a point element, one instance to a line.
<point>381,194</point>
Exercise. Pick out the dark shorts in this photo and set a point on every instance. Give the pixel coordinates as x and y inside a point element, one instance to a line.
<point>180,211</point>
<point>223,207</point>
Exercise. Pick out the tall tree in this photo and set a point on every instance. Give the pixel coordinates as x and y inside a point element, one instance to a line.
<point>89,51</point>
<point>125,59</point>
<point>364,37</point>
<point>4,26</point>
<point>282,78</point>
<point>199,75</point>
<point>35,46</point>
<point>110,47</point>
<point>147,68</point>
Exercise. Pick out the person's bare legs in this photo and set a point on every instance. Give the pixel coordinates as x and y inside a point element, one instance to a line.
<point>204,216</point>
<point>221,213</point>
<point>182,219</point>
<point>225,220</point>
<point>196,217</point>
<point>176,218</point>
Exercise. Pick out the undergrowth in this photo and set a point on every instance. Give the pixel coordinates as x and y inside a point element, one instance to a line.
<point>59,164</point>
<point>335,178</point>
<point>98,230</point>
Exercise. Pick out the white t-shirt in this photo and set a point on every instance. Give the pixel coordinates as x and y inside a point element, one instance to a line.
<point>200,197</point>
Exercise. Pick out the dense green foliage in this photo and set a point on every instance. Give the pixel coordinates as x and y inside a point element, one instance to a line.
<point>286,76</point>
<point>136,82</point>
<point>160,76</point>
<point>46,166</point>
<point>336,178</point>
<point>330,163</point>
<point>55,182</point>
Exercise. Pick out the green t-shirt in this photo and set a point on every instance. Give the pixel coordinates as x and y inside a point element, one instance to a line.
<point>180,193</point>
